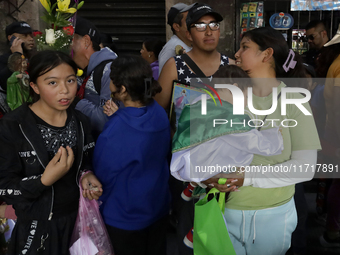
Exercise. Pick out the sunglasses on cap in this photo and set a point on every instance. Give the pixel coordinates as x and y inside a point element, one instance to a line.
<point>201,27</point>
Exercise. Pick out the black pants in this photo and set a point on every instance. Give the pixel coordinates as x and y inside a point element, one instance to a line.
<point>147,241</point>
<point>299,236</point>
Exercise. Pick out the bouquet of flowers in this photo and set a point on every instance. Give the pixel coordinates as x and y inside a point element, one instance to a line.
<point>59,34</point>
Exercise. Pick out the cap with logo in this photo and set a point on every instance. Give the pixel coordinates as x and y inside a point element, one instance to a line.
<point>20,27</point>
<point>86,27</point>
<point>177,8</point>
<point>200,10</point>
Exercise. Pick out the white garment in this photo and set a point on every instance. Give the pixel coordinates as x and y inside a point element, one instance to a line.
<point>299,168</point>
<point>168,50</point>
<point>233,150</point>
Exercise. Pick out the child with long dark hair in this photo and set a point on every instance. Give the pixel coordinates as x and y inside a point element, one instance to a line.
<point>130,160</point>
<point>45,148</point>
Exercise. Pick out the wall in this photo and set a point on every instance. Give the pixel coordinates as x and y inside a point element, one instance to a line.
<point>227,9</point>
<point>28,11</point>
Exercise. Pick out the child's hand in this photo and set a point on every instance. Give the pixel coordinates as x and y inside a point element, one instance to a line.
<point>110,107</point>
<point>58,166</point>
<point>19,76</point>
<point>92,188</point>
<point>230,185</point>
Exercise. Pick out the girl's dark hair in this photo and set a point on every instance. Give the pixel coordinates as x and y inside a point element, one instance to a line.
<point>135,74</point>
<point>326,58</point>
<point>43,62</point>
<point>267,37</point>
<point>155,45</point>
<point>107,41</point>
<point>234,74</point>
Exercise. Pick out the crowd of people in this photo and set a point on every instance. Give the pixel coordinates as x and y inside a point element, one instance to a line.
<point>108,131</point>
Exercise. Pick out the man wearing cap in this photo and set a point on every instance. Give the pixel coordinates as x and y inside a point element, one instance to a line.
<point>203,32</point>
<point>176,19</point>
<point>88,55</point>
<point>19,37</point>
<point>317,36</point>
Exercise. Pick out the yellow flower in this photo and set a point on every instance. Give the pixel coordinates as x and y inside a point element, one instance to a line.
<point>79,72</point>
<point>63,6</point>
<point>46,4</point>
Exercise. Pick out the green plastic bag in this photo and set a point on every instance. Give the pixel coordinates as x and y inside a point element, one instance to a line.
<point>211,235</point>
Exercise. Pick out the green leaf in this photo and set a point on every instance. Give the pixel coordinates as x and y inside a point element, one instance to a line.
<point>53,6</point>
<point>45,19</point>
<point>80,5</point>
<point>62,23</point>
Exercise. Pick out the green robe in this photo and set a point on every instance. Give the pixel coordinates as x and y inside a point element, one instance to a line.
<point>17,93</point>
<point>194,128</point>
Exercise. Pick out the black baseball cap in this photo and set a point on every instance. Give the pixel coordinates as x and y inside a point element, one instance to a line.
<point>20,27</point>
<point>200,10</point>
<point>86,27</point>
<point>177,8</point>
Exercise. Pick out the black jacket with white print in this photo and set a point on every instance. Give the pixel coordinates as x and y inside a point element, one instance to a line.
<point>24,157</point>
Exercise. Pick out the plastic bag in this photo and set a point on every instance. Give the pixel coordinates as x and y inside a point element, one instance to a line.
<point>210,228</point>
<point>89,236</point>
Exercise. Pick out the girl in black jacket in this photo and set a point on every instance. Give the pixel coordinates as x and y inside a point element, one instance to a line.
<point>44,149</point>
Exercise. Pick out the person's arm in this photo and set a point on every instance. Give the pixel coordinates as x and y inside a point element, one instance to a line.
<point>166,78</point>
<point>161,61</point>
<point>15,185</point>
<point>96,111</point>
<point>106,160</point>
<point>92,188</point>
<point>165,54</point>
<point>299,168</point>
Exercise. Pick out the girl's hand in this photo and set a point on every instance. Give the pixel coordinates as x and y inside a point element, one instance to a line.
<point>92,188</point>
<point>231,184</point>
<point>110,107</point>
<point>58,166</point>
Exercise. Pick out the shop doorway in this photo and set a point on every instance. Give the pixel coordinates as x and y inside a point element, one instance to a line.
<point>129,23</point>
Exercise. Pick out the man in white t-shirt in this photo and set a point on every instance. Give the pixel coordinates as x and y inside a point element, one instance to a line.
<point>176,19</point>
